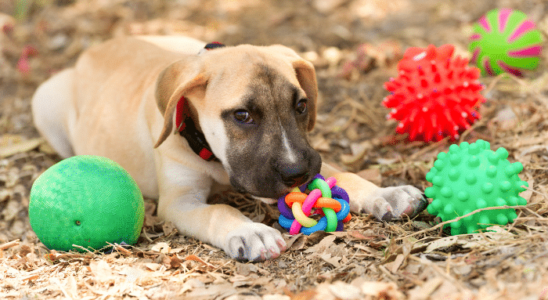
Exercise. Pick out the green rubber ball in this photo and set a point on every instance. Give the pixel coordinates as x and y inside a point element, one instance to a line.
<point>87,201</point>
<point>471,177</point>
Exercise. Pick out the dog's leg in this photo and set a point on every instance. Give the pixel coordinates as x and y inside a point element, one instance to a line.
<point>53,113</point>
<point>383,203</point>
<point>183,196</point>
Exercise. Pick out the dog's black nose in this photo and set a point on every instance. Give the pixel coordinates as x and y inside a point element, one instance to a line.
<point>294,176</point>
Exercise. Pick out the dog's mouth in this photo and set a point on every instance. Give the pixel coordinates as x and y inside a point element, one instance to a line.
<point>267,182</point>
<point>262,194</point>
<point>265,200</point>
<point>265,195</point>
<point>296,182</point>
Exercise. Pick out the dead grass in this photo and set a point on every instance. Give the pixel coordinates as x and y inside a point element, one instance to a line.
<point>410,259</point>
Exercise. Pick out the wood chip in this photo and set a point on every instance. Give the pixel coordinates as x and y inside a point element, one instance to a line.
<point>9,245</point>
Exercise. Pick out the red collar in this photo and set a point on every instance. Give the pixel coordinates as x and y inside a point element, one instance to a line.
<point>187,128</point>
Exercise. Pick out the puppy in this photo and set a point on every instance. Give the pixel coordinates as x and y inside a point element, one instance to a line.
<point>241,117</point>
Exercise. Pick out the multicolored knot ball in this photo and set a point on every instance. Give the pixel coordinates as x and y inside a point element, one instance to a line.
<point>470,177</point>
<point>434,95</point>
<point>325,199</point>
<point>504,40</point>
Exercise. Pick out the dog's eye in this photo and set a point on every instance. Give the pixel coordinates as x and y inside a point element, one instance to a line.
<point>243,116</point>
<point>301,106</point>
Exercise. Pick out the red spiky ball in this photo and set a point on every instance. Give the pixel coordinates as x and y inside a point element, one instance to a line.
<point>434,95</point>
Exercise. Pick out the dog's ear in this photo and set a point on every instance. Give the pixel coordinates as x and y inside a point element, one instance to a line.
<point>182,78</point>
<point>306,75</point>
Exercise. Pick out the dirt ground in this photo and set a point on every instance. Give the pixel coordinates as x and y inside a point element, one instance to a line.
<point>354,45</point>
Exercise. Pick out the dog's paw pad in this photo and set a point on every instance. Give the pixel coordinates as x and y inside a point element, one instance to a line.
<point>254,242</point>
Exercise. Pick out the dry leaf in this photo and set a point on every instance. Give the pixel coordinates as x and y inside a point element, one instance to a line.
<point>152,266</point>
<point>445,291</point>
<point>320,247</point>
<point>296,242</point>
<point>161,247</point>
<point>529,192</point>
<point>345,291</point>
<point>132,274</point>
<point>396,264</point>
<point>332,260</point>
<point>20,147</point>
<point>358,235</point>
<point>441,243</point>
<point>423,292</point>
<point>172,262</point>
<point>321,144</point>
<point>101,270</point>
<point>388,290</point>
<point>212,292</point>
<point>196,258</point>
<point>276,297</point>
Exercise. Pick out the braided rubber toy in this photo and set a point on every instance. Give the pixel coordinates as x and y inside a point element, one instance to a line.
<point>325,197</point>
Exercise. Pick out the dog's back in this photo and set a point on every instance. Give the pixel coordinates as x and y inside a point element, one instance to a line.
<point>86,98</point>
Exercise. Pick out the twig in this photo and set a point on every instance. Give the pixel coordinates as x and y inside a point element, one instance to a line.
<point>387,273</point>
<point>80,247</point>
<point>533,218</point>
<point>426,149</point>
<point>467,131</point>
<point>438,270</point>
<point>534,213</point>
<point>119,248</point>
<point>524,84</point>
<point>534,191</point>
<point>144,233</point>
<point>494,82</point>
<point>462,217</point>
<point>123,250</point>
<point>9,245</point>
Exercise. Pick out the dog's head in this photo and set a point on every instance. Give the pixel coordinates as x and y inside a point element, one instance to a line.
<point>255,106</point>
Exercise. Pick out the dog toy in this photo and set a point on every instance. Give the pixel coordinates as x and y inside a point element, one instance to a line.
<point>504,40</point>
<point>434,95</point>
<point>324,197</point>
<point>470,177</point>
<point>87,201</point>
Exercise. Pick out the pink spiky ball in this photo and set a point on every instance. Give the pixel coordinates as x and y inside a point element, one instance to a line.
<point>435,95</point>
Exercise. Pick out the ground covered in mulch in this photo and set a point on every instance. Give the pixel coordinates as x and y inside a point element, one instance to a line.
<point>354,45</point>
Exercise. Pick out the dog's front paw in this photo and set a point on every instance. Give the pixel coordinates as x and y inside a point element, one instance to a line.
<point>395,202</point>
<point>254,242</point>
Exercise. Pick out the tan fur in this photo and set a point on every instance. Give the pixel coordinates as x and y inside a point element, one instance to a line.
<point>127,116</point>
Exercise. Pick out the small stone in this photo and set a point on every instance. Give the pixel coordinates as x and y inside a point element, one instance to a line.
<point>58,41</point>
<point>332,55</point>
<point>18,228</point>
<point>325,6</point>
<point>11,210</point>
<point>6,194</point>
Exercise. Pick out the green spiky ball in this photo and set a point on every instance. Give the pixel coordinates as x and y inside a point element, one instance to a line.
<point>472,176</point>
<point>87,201</point>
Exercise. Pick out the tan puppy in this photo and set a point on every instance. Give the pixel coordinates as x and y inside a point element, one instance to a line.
<point>254,106</point>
